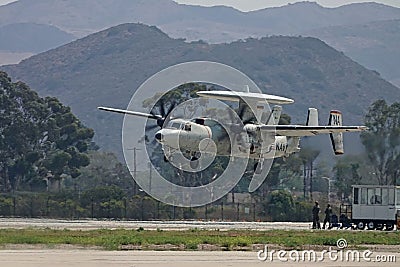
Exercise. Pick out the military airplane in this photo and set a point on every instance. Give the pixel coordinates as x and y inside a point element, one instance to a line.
<point>264,140</point>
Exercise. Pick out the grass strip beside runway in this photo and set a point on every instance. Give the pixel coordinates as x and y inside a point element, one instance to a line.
<point>191,239</point>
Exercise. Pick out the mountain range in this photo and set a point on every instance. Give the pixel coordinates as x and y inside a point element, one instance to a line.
<point>105,68</point>
<point>374,45</point>
<point>88,16</point>
<point>32,37</point>
<point>366,22</point>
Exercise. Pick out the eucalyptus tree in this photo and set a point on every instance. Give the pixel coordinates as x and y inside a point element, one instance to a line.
<point>382,140</point>
<point>39,138</point>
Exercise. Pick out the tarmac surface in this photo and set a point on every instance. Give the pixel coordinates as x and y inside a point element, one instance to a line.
<point>20,223</point>
<point>99,258</point>
<point>35,256</point>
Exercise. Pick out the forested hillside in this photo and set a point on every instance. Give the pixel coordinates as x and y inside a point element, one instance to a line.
<point>366,32</point>
<point>105,68</point>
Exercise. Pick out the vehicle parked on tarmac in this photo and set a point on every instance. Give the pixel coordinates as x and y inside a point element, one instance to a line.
<point>373,207</point>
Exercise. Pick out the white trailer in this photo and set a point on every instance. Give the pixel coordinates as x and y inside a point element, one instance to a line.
<point>375,207</point>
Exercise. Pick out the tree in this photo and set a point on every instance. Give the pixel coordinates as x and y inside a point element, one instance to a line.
<point>382,140</point>
<point>308,157</point>
<point>280,205</point>
<point>105,170</point>
<point>38,136</point>
<point>346,172</point>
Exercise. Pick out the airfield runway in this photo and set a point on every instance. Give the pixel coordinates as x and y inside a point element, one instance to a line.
<point>99,258</point>
<point>67,255</point>
<point>20,223</point>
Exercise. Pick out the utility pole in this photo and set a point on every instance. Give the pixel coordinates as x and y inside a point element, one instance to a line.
<point>311,180</point>
<point>134,169</point>
<point>150,174</point>
<point>329,187</point>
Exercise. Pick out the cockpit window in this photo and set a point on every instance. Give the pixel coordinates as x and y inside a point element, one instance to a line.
<point>199,121</point>
<point>188,127</point>
<point>174,125</point>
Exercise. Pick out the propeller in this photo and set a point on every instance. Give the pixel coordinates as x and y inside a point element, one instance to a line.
<point>161,111</point>
<point>243,111</point>
<point>235,126</point>
<point>245,117</point>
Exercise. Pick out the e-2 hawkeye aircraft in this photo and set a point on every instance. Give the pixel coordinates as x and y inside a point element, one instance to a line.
<point>265,140</point>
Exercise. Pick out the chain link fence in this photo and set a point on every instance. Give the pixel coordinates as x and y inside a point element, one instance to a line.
<point>135,208</point>
<point>144,208</point>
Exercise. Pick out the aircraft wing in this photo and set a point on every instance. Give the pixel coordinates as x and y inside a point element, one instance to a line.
<point>128,112</point>
<point>302,130</point>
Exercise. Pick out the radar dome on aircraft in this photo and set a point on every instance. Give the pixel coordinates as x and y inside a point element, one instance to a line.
<point>236,96</point>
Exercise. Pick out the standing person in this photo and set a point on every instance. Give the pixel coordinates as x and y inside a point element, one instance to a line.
<point>328,214</point>
<point>315,214</point>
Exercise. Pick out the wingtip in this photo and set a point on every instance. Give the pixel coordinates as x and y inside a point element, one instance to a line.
<point>103,108</point>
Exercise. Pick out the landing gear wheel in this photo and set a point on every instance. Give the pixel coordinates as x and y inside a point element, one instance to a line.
<point>258,168</point>
<point>361,226</point>
<point>255,167</point>
<point>371,225</point>
<point>194,163</point>
<point>379,226</point>
<point>166,159</point>
<point>389,226</point>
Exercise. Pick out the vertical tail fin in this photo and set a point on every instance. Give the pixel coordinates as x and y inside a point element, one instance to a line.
<point>312,117</point>
<point>275,115</point>
<point>335,119</point>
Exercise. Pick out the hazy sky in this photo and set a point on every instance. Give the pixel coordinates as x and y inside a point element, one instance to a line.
<point>247,5</point>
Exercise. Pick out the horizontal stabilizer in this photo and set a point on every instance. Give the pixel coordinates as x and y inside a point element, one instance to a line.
<point>301,130</point>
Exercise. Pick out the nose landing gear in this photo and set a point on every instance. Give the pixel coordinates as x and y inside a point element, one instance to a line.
<point>194,160</point>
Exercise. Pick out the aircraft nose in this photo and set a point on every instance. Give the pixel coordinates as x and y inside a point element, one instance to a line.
<point>158,136</point>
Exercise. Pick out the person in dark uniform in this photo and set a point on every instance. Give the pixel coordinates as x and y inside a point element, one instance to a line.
<point>328,214</point>
<point>315,215</point>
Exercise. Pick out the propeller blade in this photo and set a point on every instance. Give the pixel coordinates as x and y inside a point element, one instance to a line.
<point>151,127</point>
<point>162,107</point>
<point>163,111</point>
<point>160,122</point>
<point>171,107</point>
<point>242,112</point>
<point>249,120</point>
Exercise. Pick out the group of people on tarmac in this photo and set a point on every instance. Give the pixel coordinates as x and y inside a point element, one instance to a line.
<point>315,215</point>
